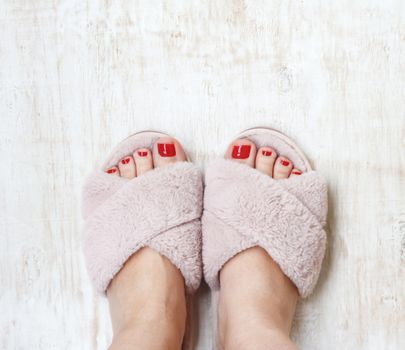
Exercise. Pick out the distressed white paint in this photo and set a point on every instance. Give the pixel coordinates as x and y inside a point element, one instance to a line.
<point>78,76</point>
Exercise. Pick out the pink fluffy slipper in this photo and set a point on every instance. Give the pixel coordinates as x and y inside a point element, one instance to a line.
<point>160,209</point>
<point>244,208</point>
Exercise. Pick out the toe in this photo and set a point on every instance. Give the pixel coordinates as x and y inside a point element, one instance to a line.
<point>295,172</point>
<point>167,150</point>
<point>127,167</point>
<point>265,159</point>
<point>113,171</point>
<point>242,151</point>
<point>282,168</point>
<point>143,160</point>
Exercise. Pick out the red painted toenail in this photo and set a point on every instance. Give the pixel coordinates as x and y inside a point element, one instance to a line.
<point>111,171</point>
<point>166,149</point>
<point>296,172</point>
<point>126,160</point>
<point>241,151</point>
<point>285,163</point>
<point>267,153</point>
<point>142,153</point>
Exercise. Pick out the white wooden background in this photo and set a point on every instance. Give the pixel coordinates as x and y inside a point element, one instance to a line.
<point>76,77</point>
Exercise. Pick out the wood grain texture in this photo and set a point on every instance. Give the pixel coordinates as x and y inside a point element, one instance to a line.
<point>78,76</point>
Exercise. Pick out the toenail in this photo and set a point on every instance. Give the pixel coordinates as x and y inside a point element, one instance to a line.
<point>126,160</point>
<point>296,172</point>
<point>166,149</point>
<point>143,153</point>
<point>241,151</point>
<point>111,171</point>
<point>285,163</point>
<point>267,153</point>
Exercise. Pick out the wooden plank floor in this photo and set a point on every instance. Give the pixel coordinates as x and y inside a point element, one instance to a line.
<point>76,77</point>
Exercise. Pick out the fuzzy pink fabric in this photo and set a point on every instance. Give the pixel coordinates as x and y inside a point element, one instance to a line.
<point>244,208</point>
<point>160,209</point>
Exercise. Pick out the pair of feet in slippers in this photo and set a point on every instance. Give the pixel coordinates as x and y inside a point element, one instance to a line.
<point>168,150</point>
<point>256,235</point>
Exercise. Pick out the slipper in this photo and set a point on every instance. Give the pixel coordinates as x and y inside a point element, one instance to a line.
<point>244,208</point>
<point>160,209</point>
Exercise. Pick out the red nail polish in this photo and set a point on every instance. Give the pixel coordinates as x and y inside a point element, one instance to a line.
<point>241,151</point>
<point>111,171</point>
<point>126,160</point>
<point>166,149</point>
<point>285,163</point>
<point>267,153</point>
<point>142,153</point>
<point>296,173</point>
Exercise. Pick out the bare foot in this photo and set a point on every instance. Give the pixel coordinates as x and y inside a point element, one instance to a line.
<point>147,297</point>
<point>257,301</point>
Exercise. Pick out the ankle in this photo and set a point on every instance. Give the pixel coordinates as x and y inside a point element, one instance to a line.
<point>253,284</point>
<point>257,302</point>
<point>257,337</point>
<point>245,308</point>
<point>153,323</point>
<point>246,326</point>
<point>147,298</point>
<point>157,333</point>
<point>159,316</point>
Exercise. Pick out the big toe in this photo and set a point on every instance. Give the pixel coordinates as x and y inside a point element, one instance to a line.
<point>167,150</point>
<point>242,151</point>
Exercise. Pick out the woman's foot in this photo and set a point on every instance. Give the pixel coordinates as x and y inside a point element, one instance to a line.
<point>257,301</point>
<point>166,150</point>
<point>147,297</point>
<point>264,159</point>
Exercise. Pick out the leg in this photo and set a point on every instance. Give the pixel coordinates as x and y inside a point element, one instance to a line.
<point>147,299</point>
<point>257,301</point>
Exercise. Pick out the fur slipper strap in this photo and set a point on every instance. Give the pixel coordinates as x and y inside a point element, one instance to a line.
<point>160,209</point>
<point>244,208</point>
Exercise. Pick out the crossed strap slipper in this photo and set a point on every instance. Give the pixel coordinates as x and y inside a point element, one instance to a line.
<point>160,209</point>
<point>244,208</point>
